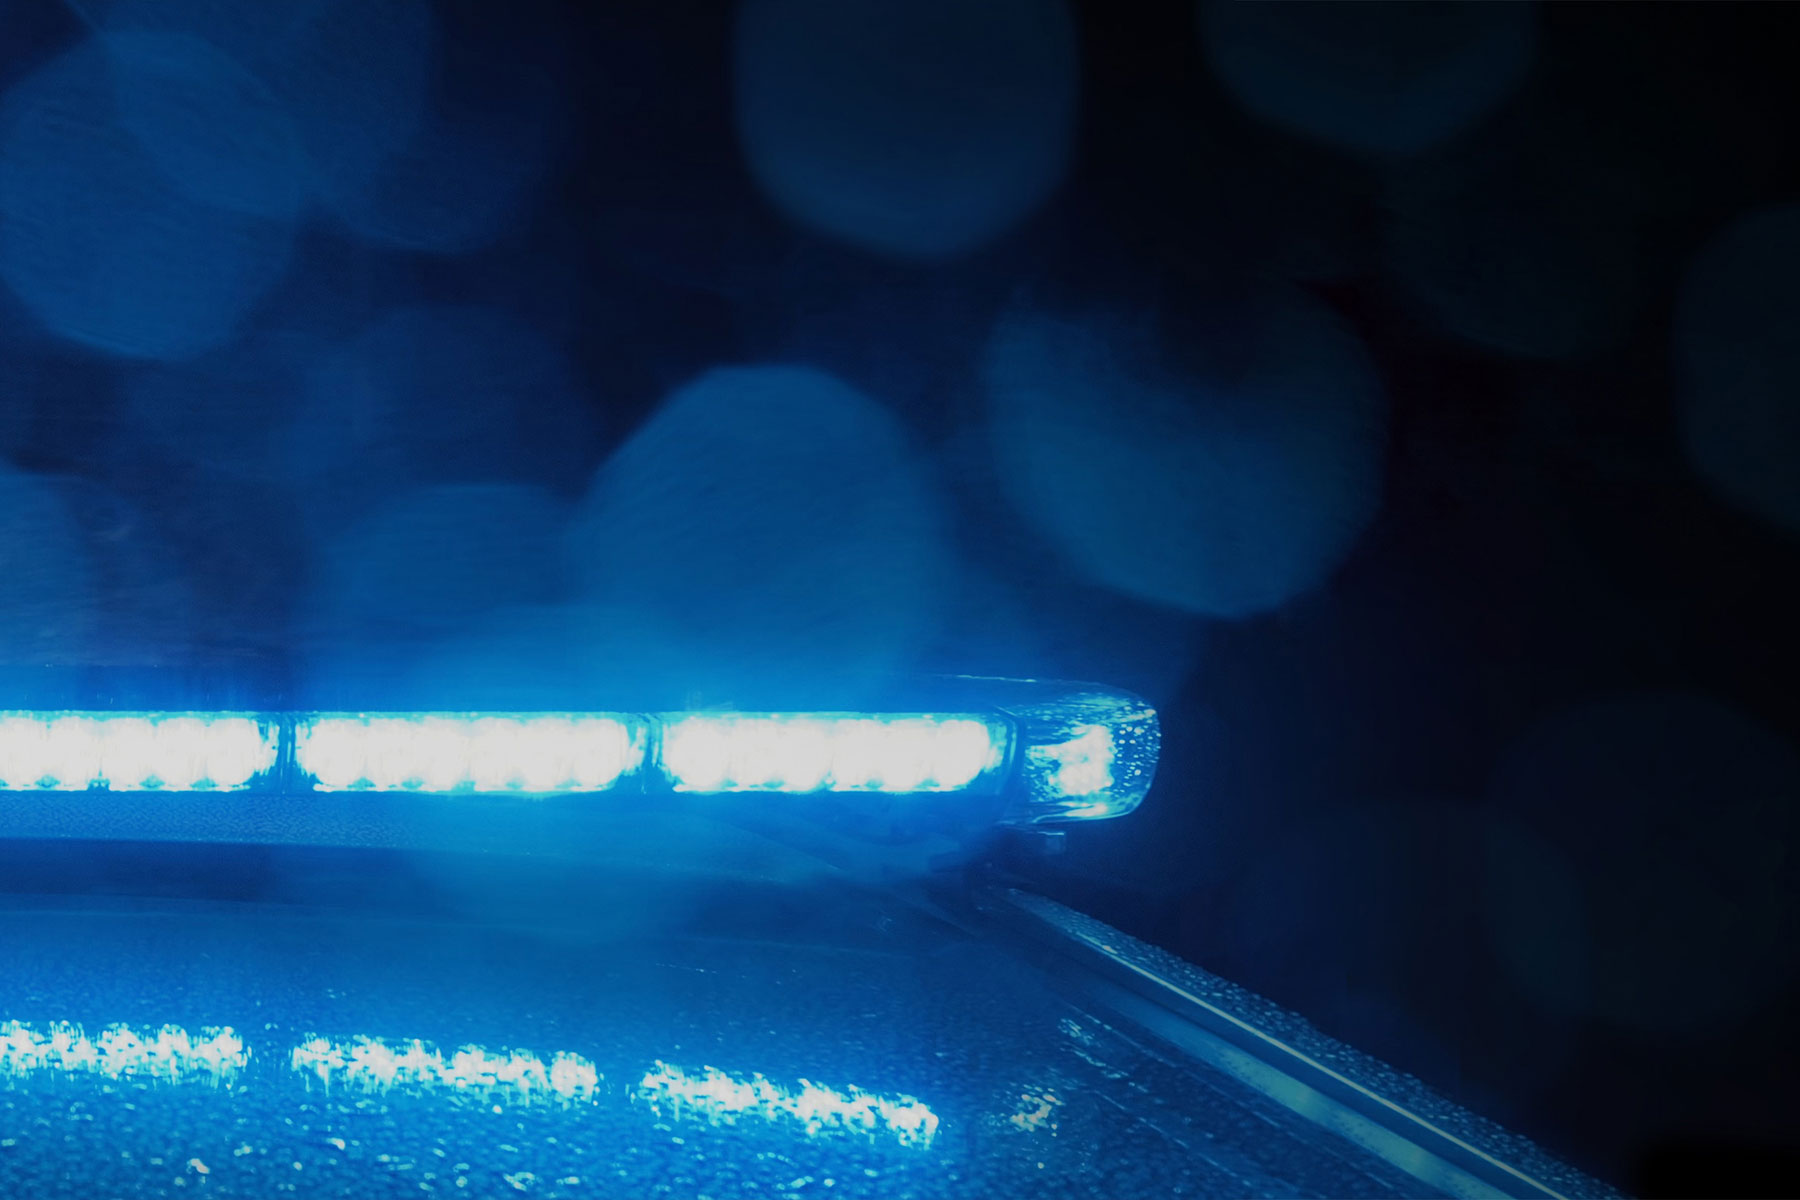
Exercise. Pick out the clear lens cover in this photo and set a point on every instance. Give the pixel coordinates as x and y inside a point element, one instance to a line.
<point>1087,754</point>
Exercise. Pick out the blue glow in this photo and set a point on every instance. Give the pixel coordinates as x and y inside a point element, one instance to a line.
<point>173,752</point>
<point>99,239</point>
<point>243,157</point>
<point>355,80</point>
<point>1088,755</point>
<point>705,536</point>
<point>561,753</point>
<point>804,753</point>
<point>914,128</point>
<point>726,1099</point>
<point>1082,765</point>
<point>1081,754</point>
<point>171,1053</point>
<point>375,1065</point>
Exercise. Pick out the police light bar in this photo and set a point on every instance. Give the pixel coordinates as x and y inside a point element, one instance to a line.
<point>1049,752</point>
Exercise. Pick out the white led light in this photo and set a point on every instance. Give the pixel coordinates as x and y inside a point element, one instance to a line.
<point>218,1055</point>
<point>170,1054</point>
<point>177,752</point>
<point>726,1099</point>
<point>1083,764</point>
<point>807,753</point>
<point>1045,752</point>
<point>527,754</point>
<point>1087,753</point>
<point>374,1065</point>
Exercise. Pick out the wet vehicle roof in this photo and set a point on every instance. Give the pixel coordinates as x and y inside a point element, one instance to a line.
<point>792,1041</point>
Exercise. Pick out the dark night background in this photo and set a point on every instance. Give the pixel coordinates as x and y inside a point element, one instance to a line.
<point>1406,400</point>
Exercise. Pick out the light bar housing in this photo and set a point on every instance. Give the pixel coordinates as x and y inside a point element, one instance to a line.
<point>1032,753</point>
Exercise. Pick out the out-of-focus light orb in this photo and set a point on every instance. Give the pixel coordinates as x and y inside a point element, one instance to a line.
<point>439,558</point>
<point>1640,864</point>
<point>768,526</point>
<point>914,128</point>
<point>481,145</point>
<point>354,80</point>
<point>1223,500</point>
<point>48,608</point>
<point>1737,358</point>
<point>146,195</point>
<point>1528,241</point>
<point>354,77</point>
<point>1374,79</point>
<point>216,132</point>
<point>248,33</point>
